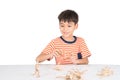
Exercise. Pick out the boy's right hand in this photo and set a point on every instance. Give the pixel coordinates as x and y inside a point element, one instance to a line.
<point>58,53</point>
<point>36,73</point>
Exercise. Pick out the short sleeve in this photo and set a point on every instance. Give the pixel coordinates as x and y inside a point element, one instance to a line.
<point>84,49</point>
<point>49,49</point>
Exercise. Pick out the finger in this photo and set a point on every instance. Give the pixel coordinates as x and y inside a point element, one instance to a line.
<point>56,54</point>
<point>59,52</point>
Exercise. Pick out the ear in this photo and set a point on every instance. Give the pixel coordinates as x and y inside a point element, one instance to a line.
<point>76,26</point>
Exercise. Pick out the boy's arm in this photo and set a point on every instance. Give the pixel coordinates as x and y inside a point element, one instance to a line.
<point>42,57</point>
<point>81,61</point>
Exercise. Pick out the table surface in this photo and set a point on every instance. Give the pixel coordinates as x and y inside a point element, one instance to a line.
<point>48,72</point>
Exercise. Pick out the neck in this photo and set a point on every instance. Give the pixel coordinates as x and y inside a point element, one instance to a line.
<point>71,38</point>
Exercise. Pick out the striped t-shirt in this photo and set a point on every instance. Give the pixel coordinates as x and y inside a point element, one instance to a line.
<point>67,48</point>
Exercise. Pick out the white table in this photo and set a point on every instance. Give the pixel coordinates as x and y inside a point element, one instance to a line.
<point>47,72</point>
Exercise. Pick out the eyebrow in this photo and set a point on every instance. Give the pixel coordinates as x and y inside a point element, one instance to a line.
<point>61,23</point>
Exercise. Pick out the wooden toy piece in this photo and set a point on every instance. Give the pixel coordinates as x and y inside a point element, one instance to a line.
<point>59,52</point>
<point>74,74</point>
<point>106,71</point>
<point>58,67</point>
<point>36,73</point>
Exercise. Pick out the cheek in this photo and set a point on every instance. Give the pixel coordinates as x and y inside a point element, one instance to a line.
<point>71,29</point>
<point>61,29</point>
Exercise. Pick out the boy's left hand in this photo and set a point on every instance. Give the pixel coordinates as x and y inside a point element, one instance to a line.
<point>36,73</point>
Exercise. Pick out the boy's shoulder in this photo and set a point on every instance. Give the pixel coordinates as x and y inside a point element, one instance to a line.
<point>55,39</point>
<point>79,38</point>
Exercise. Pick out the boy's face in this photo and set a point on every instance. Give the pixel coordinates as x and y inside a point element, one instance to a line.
<point>67,28</point>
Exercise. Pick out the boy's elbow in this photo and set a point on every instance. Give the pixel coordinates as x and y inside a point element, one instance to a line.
<point>86,61</point>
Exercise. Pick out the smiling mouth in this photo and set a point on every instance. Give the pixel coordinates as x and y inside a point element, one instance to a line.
<point>65,32</point>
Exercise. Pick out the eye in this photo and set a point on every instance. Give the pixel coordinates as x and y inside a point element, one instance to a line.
<point>61,26</point>
<point>69,26</point>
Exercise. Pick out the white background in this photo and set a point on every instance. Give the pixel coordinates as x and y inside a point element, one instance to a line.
<point>27,26</point>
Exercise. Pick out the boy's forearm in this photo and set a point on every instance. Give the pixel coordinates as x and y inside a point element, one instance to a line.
<point>82,61</point>
<point>42,57</point>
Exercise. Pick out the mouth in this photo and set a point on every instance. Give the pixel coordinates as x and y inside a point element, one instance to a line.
<point>65,33</point>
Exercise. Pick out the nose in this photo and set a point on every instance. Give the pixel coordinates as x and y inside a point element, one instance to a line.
<point>65,28</point>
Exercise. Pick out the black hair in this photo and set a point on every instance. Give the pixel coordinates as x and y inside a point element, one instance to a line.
<point>68,15</point>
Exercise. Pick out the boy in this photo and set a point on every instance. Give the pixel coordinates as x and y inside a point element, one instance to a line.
<point>67,49</point>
